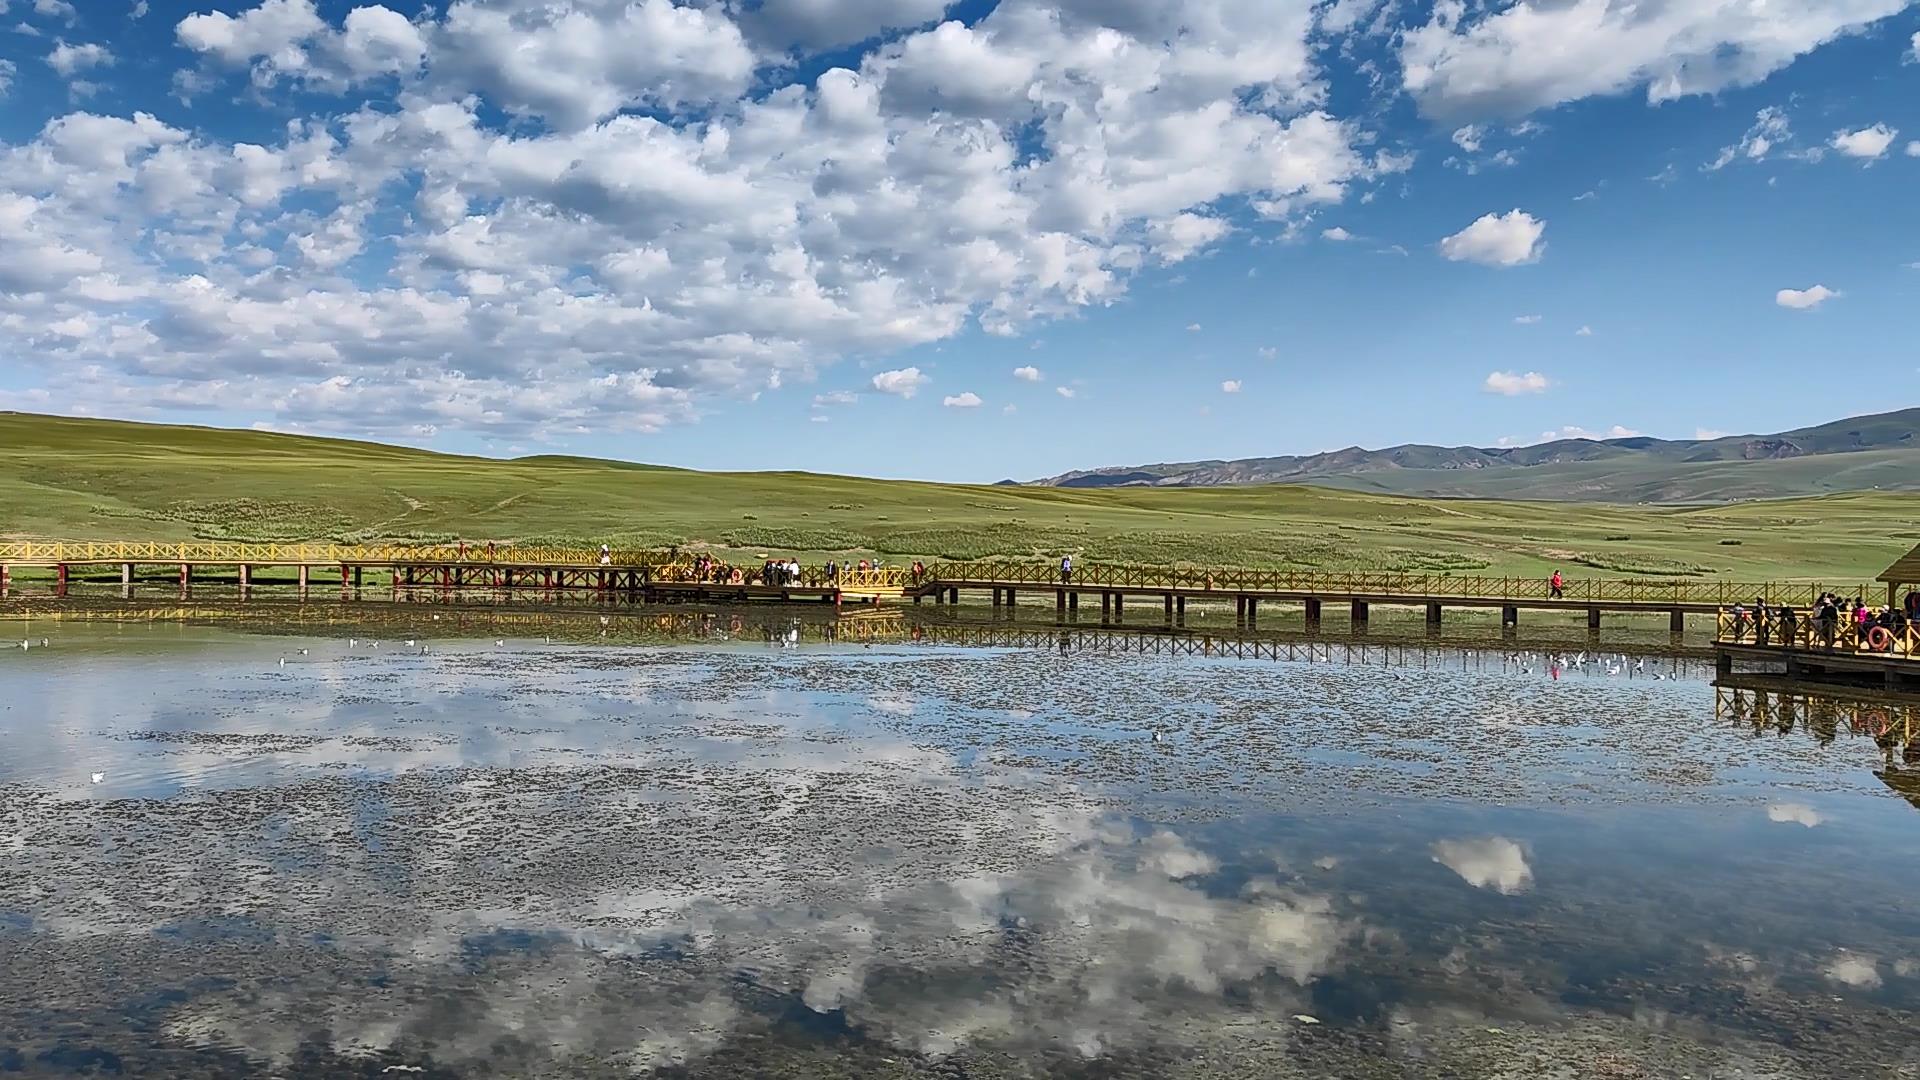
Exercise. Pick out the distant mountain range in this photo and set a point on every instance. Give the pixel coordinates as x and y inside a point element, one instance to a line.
<point>1865,452</point>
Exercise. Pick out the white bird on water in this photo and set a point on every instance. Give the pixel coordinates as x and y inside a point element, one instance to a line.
<point>499,641</point>
<point>283,661</point>
<point>98,777</point>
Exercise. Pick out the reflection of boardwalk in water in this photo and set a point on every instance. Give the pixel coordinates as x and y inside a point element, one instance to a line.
<point>622,624</point>
<point>1893,725</point>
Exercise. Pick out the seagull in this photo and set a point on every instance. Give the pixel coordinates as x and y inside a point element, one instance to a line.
<point>409,643</point>
<point>351,642</point>
<point>283,661</point>
<point>499,641</point>
<point>303,652</point>
<point>98,777</point>
<point>43,643</point>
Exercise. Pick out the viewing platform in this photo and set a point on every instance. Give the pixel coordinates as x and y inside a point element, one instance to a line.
<point>1788,639</point>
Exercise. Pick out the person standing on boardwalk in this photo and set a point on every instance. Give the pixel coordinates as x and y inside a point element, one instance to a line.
<point>606,555</point>
<point>1554,585</point>
<point>1066,569</point>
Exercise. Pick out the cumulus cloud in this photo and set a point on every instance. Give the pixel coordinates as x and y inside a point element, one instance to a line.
<point>1513,59</point>
<point>1792,812</point>
<point>965,400</point>
<point>639,206</point>
<point>903,382</point>
<point>1065,392</point>
<point>1027,374</point>
<point>1913,148</point>
<point>1493,862</point>
<point>1510,239</point>
<point>1526,320</point>
<point>1867,144</point>
<point>1804,299</point>
<point>835,397</point>
<point>71,59</point>
<point>1338,234</point>
<point>1230,386</point>
<point>1514,384</point>
<point>1584,331</point>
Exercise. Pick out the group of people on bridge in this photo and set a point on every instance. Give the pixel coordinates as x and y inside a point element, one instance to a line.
<point>1833,619</point>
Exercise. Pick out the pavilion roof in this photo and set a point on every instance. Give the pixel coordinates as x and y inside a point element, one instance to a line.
<point>1905,570</point>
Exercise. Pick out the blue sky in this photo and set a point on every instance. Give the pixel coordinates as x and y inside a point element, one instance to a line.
<point>825,234</point>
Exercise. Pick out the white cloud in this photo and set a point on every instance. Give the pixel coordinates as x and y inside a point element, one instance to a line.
<point>1513,384</point>
<point>55,9</point>
<point>1710,434</point>
<point>69,59</point>
<point>1513,59</point>
<point>537,217</point>
<point>1769,132</point>
<point>902,382</point>
<point>1193,328</point>
<point>1267,352</point>
<point>7,71</point>
<point>1065,392</point>
<point>964,400</point>
<point>1491,863</point>
<point>1868,143</point>
<point>1794,813</point>
<point>139,10</point>
<point>1584,331</point>
<point>1469,138</point>
<point>1338,234</point>
<point>1009,409</point>
<point>1804,299</point>
<point>835,397</point>
<point>1858,972</point>
<point>1575,431</point>
<point>1526,320</point>
<point>1028,374</point>
<point>1509,239</point>
<point>1913,148</point>
<point>1230,386</point>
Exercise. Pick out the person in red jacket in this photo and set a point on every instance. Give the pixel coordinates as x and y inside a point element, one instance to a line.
<point>1554,584</point>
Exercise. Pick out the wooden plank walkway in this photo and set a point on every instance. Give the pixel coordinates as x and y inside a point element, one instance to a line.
<point>654,575</point>
<point>1806,650</point>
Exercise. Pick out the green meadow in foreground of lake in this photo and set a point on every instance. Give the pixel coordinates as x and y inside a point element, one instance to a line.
<point>90,479</point>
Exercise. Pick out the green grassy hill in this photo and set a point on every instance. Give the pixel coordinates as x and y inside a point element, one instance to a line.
<point>91,479</point>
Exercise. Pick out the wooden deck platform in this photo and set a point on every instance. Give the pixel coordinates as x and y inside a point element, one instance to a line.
<point>1804,651</point>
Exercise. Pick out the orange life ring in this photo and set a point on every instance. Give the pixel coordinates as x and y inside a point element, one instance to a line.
<point>1878,639</point>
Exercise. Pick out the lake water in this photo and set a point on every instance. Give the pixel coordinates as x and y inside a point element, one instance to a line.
<point>728,845</point>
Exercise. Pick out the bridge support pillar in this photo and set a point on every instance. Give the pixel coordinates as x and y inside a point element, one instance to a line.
<point>1677,621</point>
<point>1723,664</point>
<point>356,575</point>
<point>1010,597</point>
<point>1433,614</point>
<point>1106,605</point>
<point>1169,606</point>
<point>1059,600</point>
<point>953,595</point>
<point>1180,608</point>
<point>6,576</point>
<point>1360,611</point>
<point>1313,611</point>
<point>306,576</point>
<point>1073,601</point>
<point>246,575</point>
<point>1119,604</point>
<point>1509,616</point>
<point>126,573</point>
<point>1253,610</point>
<point>996,596</point>
<point>1593,618</point>
<point>1240,609</point>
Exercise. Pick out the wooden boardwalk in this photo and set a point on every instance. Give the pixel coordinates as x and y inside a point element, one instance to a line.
<point>1804,650</point>
<point>652,575</point>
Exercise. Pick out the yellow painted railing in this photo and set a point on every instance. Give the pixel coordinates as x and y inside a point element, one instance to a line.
<point>1803,632</point>
<point>267,554</point>
<point>1380,584</point>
